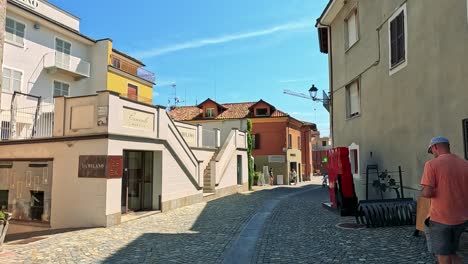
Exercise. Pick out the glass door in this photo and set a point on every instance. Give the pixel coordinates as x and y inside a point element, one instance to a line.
<point>62,54</point>
<point>137,182</point>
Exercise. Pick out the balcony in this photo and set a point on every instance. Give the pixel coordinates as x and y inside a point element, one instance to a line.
<point>58,62</point>
<point>132,69</point>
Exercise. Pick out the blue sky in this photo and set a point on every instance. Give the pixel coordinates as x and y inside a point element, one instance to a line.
<point>227,50</point>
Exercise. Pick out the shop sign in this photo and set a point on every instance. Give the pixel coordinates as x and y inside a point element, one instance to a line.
<point>276,159</point>
<point>114,167</point>
<point>137,119</point>
<point>92,166</point>
<point>190,135</point>
<point>100,166</point>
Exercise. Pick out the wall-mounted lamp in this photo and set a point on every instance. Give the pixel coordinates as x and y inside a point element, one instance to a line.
<point>313,94</point>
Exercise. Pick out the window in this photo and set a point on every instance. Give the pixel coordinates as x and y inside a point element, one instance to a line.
<point>5,130</point>
<point>324,143</point>
<point>289,141</point>
<point>11,80</point>
<point>61,89</point>
<point>299,142</point>
<point>353,100</point>
<point>255,141</point>
<point>397,38</point>
<point>209,113</point>
<point>351,29</point>
<point>354,161</point>
<point>116,63</point>
<point>132,92</point>
<point>465,137</point>
<point>62,56</point>
<point>261,112</point>
<point>14,31</point>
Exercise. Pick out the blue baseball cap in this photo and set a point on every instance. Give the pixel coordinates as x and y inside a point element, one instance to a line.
<point>437,140</point>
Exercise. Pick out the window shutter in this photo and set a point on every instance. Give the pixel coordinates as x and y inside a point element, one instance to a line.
<point>401,36</point>
<point>354,98</point>
<point>352,29</point>
<point>257,141</point>
<point>393,41</point>
<point>465,136</point>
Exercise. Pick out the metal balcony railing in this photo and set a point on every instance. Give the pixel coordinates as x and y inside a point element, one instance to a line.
<point>59,61</point>
<point>132,69</point>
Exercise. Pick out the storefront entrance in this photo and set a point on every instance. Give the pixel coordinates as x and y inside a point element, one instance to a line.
<point>137,181</point>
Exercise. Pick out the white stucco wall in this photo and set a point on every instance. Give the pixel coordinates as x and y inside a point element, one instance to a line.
<point>230,175</point>
<point>29,59</point>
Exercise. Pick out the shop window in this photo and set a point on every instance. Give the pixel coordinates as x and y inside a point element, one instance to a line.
<point>4,200</point>
<point>37,205</point>
<point>26,190</point>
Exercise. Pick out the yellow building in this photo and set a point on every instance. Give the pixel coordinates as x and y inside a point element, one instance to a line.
<point>126,76</point>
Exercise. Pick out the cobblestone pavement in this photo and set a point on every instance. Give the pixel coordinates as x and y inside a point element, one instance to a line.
<point>194,234</point>
<point>300,230</point>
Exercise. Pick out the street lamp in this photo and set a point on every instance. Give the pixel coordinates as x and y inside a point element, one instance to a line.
<point>313,94</point>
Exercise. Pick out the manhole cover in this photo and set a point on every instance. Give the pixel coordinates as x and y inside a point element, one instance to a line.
<point>350,226</point>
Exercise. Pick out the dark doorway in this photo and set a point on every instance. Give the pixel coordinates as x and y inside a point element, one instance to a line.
<point>137,181</point>
<point>239,169</point>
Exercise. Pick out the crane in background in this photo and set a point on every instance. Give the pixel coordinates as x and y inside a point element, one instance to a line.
<point>326,101</point>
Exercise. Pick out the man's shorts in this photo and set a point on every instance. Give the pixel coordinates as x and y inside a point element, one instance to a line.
<point>443,239</point>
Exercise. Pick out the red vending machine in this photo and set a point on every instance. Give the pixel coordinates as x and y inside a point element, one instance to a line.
<point>341,184</point>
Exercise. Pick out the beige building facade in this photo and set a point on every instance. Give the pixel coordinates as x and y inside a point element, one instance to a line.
<point>397,78</point>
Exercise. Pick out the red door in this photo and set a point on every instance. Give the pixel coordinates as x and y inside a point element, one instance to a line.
<point>132,92</point>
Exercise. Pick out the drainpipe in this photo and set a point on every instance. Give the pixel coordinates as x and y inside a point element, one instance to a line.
<point>330,68</point>
<point>3,4</point>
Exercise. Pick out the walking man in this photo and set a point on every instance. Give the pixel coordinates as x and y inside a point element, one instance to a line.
<point>445,182</point>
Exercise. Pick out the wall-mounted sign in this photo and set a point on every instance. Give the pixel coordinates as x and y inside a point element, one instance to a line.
<point>114,167</point>
<point>190,135</point>
<point>100,166</point>
<point>137,119</point>
<point>30,3</point>
<point>102,115</point>
<point>276,159</point>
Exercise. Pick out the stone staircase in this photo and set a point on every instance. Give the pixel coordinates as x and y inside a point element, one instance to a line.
<point>208,185</point>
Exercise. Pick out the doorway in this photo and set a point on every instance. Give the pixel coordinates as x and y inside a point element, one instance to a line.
<point>239,170</point>
<point>137,181</point>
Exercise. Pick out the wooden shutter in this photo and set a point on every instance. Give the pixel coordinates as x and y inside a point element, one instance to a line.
<point>352,29</point>
<point>401,36</point>
<point>465,136</point>
<point>393,42</point>
<point>132,92</point>
<point>257,141</point>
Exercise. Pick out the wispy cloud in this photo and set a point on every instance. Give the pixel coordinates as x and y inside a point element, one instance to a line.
<point>297,80</point>
<point>197,43</point>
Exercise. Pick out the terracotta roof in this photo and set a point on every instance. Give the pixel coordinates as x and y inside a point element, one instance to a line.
<point>233,111</point>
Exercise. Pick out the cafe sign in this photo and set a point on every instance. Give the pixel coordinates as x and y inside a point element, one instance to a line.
<point>100,166</point>
<point>137,119</point>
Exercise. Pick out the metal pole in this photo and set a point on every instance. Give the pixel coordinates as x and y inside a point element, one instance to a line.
<point>401,182</point>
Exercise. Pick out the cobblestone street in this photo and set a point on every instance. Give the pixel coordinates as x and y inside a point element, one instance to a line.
<point>298,230</point>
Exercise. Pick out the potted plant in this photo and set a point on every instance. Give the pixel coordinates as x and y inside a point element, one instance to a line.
<point>4,222</point>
